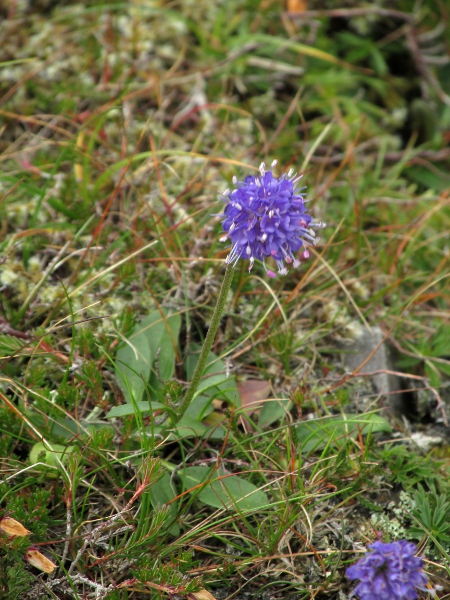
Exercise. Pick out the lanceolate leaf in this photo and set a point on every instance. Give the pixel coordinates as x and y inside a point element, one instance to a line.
<point>153,338</point>
<point>133,364</point>
<point>162,335</point>
<point>274,410</point>
<point>215,380</point>
<point>223,490</point>
<point>124,410</point>
<point>162,492</point>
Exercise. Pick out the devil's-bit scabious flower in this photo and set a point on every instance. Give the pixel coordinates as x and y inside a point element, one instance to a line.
<point>266,217</point>
<point>389,572</point>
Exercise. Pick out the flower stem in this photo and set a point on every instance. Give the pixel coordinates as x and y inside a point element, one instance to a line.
<point>207,344</point>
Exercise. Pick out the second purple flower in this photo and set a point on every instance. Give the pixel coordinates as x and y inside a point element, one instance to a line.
<point>389,572</point>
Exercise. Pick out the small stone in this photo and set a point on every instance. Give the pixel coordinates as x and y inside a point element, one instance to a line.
<point>357,351</point>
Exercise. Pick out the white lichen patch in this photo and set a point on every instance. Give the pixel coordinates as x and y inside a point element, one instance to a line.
<point>10,273</point>
<point>51,294</point>
<point>345,328</point>
<point>426,442</point>
<point>357,287</point>
<point>34,265</point>
<point>391,527</point>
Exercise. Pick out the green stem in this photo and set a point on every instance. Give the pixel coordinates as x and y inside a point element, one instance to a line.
<point>207,344</point>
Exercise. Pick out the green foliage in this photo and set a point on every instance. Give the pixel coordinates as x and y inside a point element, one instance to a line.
<point>334,432</point>
<point>273,411</point>
<point>216,383</point>
<point>220,489</point>
<point>113,156</point>
<point>163,493</point>
<point>15,580</point>
<point>433,352</point>
<point>170,579</point>
<point>149,350</point>
<point>32,510</point>
<point>9,345</point>
<point>409,468</point>
<point>129,409</point>
<point>50,455</point>
<point>431,514</point>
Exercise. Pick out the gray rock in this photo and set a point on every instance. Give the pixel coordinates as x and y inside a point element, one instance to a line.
<point>356,351</point>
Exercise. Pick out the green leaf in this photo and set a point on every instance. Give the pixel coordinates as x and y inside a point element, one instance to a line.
<point>274,410</point>
<point>428,178</point>
<point>162,336</point>
<point>441,342</point>
<point>225,388</point>
<point>9,345</point>
<point>317,434</point>
<point>222,490</point>
<point>149,340</point>
<point>214,381</point>
<point>61,429</point>
<point>133,364</point>
<point>433,374</point>
<point>200,407</point>
<point>42,453</point>
<point>377,61</point>
<point>162,492</point>
<point>188,427</point>
<point>129,409</point>
<point>444,367</point>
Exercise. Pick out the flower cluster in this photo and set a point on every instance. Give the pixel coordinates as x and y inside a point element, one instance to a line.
<point>266,217</point>
<point>389,572</point>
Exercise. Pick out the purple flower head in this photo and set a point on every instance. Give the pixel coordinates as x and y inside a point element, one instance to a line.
<point>266,217</point>
<point>389,572</point>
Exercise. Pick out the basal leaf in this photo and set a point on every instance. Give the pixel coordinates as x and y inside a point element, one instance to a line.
<point>336,430</point>
<point>129,409</point>
<point>135,359</point>
<point>188,427</point>
<point>223,490</point>
<point>273,410</point>
<point>162,492</point>
<point>162,335</point>
<point>225,388</point>
<point>133,364</point>
<point>213,381</point>
<point>41,452</point>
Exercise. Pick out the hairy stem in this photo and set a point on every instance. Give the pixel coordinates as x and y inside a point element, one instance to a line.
<point>207,344</point>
